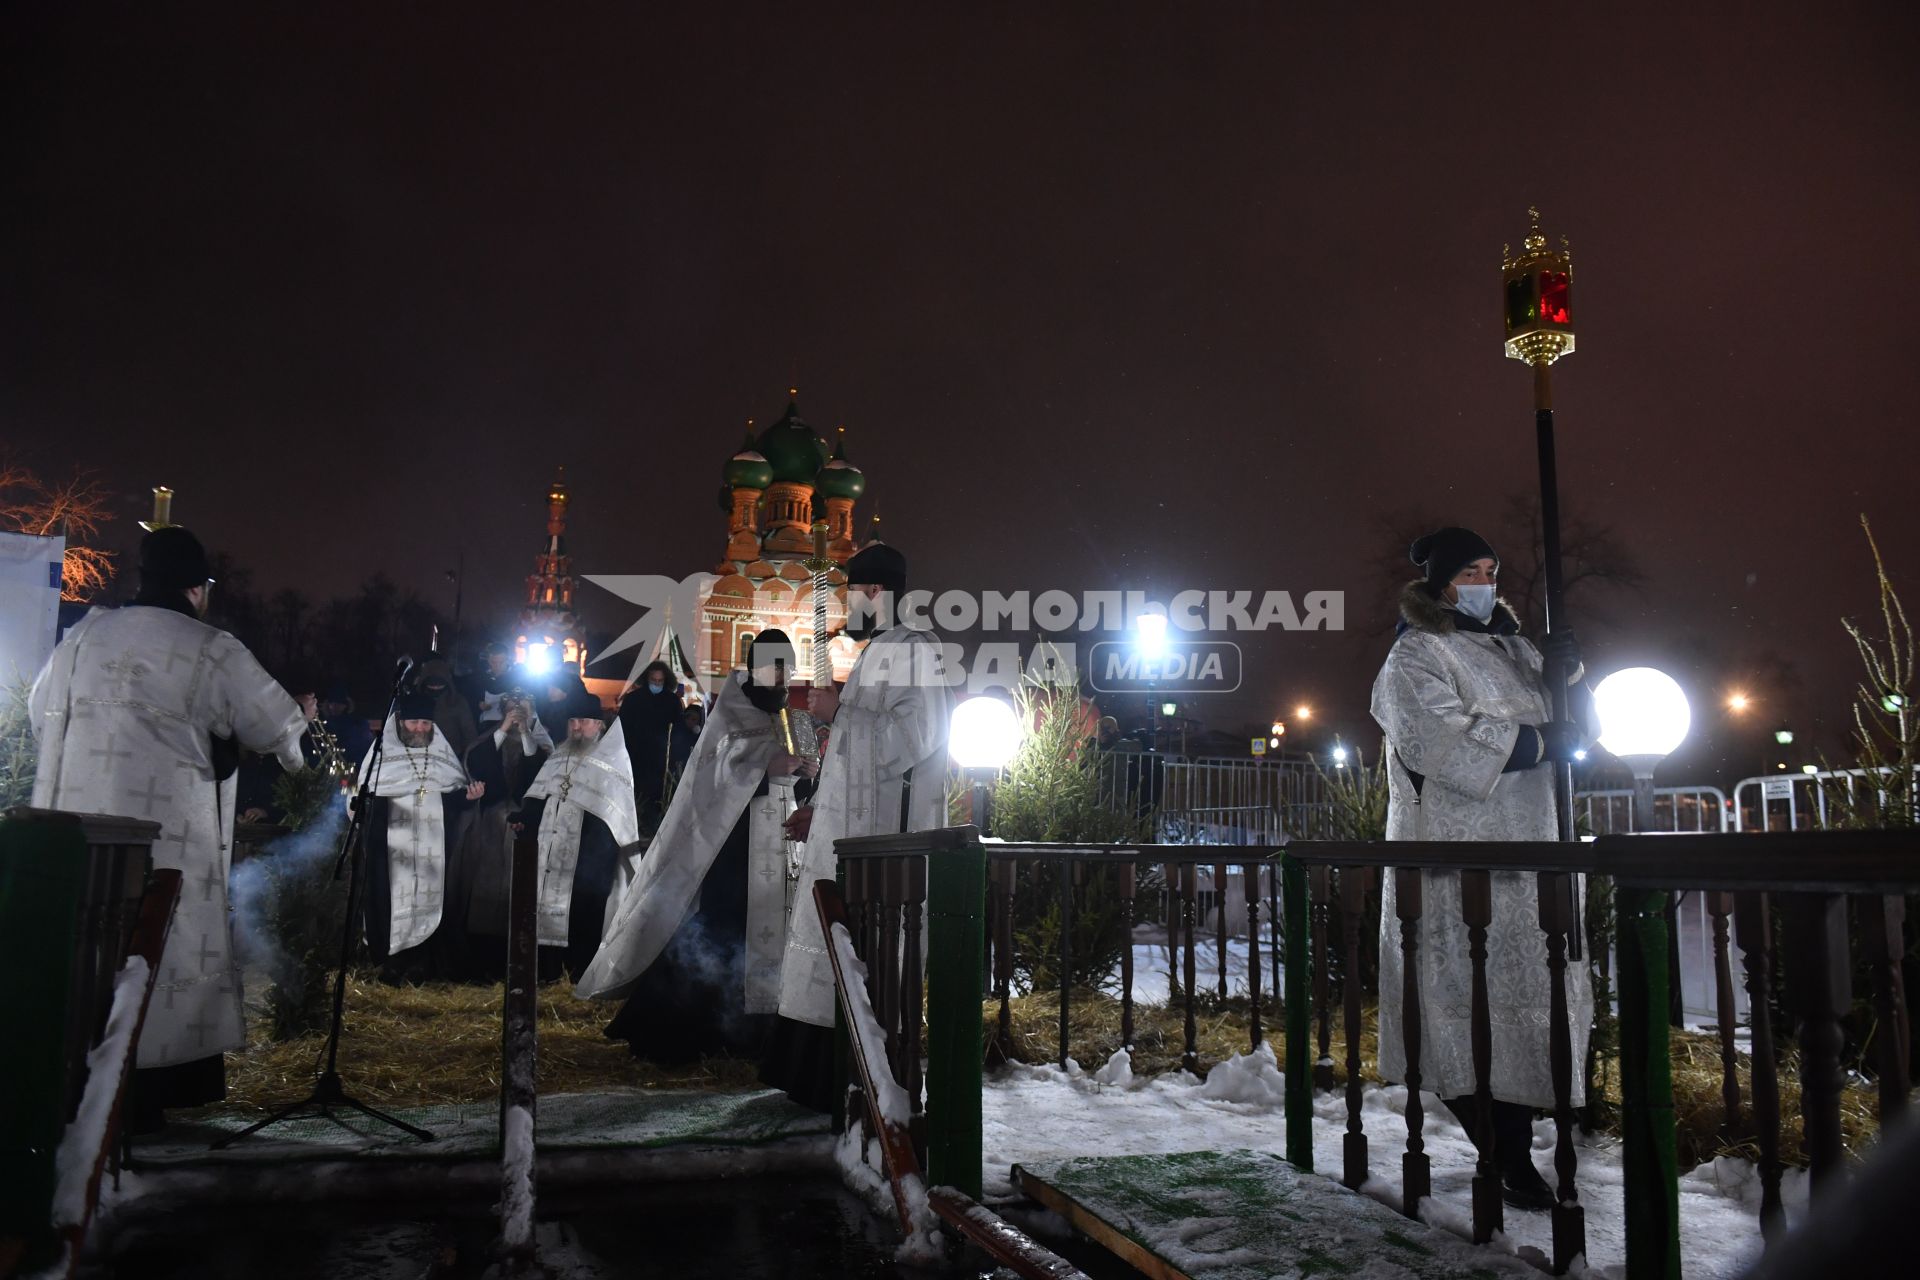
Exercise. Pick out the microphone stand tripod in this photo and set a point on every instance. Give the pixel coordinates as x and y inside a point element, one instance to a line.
<point>328,1093</point>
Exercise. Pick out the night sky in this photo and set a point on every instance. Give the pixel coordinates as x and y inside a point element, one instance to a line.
<point>1107,296</point>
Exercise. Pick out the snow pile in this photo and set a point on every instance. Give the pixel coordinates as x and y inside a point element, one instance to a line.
<point>1253,1078</point>
<point>863,1176</point>
<point>1040,1113</point>
<point>84,1139</point>
<point>870,1040</point>
<point>1118,1073</point>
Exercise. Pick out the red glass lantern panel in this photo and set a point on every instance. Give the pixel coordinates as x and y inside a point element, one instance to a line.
<point>1553,297</point>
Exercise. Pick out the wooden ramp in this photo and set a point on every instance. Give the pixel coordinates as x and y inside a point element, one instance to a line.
<point>1246,1215</point>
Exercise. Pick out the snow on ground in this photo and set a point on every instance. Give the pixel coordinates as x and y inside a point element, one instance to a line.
<point>1039,1113</point>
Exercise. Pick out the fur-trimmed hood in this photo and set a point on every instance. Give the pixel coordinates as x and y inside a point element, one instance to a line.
<point>1421,612</point>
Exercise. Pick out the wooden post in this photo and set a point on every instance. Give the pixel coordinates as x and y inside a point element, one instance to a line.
<point>1128,880</point>
<point>1753,928</point>
<point>1476,910</point>
<point>1353,906</point>
<point>1189,877</point>
<point>518,1048</point>
<point>1416,1167</point>
<point>1318,893</point>
<point>1557,920</point>
<point>1818,972</point>
<point>1646,1085</point>
<point>1883,936</point>
<point>1720,907</point>
<point>1250,876</point>
<point>1299,974</point>
<point>956,941</point>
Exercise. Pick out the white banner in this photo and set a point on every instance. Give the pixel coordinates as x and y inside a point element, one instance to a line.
<point>29,603</point>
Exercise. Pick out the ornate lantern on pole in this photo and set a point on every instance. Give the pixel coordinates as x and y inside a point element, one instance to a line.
<point>1537,305</point>
<point>1537,293</point>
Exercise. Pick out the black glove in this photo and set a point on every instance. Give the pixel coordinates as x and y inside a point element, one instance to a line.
<point>1560,648</point>
<point>1563,740</point>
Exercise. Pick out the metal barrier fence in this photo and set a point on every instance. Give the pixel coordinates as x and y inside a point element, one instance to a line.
<point>1220,799</point>
<point>1805,801</point>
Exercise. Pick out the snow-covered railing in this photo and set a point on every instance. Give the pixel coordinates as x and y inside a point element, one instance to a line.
<point>1808,876</point>
<point>1807,881</point>
<point>76,902</point>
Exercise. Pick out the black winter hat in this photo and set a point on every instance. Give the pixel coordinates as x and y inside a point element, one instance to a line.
<point>415,704</point>
<point>1445,552</point>
<point>583,705</point>
<point>880,565</point>
<point>172,559</point>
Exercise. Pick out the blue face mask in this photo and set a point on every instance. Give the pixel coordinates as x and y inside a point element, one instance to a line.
<point>1475,601</point>
<point>656,686</point>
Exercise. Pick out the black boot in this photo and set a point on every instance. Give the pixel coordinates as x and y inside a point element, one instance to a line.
<point>1521,1185</point>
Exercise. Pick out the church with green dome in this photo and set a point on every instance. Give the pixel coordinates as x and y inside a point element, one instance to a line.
<point>783,478</point>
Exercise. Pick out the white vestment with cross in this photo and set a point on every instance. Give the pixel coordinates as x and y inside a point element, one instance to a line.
<point>125,711</point>
<point>892,719</point>
<point>580,779</point>
<point>718,782</point>
<point>414,781</point>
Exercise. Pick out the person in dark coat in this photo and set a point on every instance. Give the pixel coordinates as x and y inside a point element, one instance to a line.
<point>657,741</point>
<point>506,760</point>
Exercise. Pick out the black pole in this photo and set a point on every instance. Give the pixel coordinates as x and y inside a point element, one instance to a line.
<point>1556,618</point>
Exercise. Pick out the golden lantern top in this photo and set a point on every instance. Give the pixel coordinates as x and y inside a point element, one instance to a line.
<point>162,510</point>
<point>1537,289</point>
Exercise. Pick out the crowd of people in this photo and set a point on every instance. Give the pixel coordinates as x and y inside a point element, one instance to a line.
<point>660,836</point>
<point>677,854</point>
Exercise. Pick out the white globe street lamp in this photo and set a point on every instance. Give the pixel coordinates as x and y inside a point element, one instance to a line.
<point>983,735</point>
<point>1643,717</point>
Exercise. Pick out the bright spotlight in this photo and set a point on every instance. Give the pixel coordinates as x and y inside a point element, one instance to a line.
<point>1809,768</point>
<point>1340,755</point>
<point>539,659</point>
<point>984,733</point>
<point>1738,702</point>
<point>1303,712</point>
<point>1643,712</point>
<point>1150,635</point>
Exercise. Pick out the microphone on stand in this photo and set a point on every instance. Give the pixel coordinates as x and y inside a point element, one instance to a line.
<point>402,669</point>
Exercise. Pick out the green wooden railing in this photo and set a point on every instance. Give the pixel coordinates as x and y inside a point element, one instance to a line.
<point>1814,874</point>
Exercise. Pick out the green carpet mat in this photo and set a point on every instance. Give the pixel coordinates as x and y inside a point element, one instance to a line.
<point>565,1122</point>
<point>1244,1215</point>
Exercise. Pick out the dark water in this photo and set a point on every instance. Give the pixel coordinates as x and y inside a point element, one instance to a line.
<point>745,1229</point>
<point>756,1227</point>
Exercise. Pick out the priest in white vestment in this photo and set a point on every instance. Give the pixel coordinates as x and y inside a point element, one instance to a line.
<point>885,768</point>
<point>421,792</point>
<point>581,806</point>
<point>137,713</point>
<point>696,943</point>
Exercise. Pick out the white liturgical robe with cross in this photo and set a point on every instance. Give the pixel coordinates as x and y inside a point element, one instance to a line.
<point>125,710</point>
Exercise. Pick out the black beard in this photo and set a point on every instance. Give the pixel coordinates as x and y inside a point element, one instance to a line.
<point>766,699</point>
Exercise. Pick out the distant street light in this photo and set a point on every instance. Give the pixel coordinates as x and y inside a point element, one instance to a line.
<point>1150,635</point>
<point>1303,712</point>
<point>1738,703</point>
<point>1783,736</point>
<point>1809,768</point>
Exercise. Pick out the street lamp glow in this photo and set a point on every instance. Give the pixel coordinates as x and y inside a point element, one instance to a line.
<point>1809,768</point>
<point>1339,755</point>
<point>1738,702</point>
<point>1150,635</point>
<point>1303,712</point>
<point>1783,736</point>
<point>984,733</point>
<point>1643,713</point>
<point>1169,708</point>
